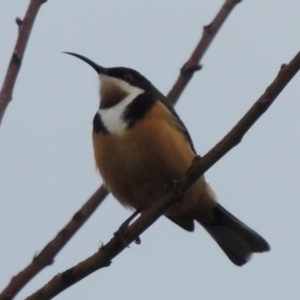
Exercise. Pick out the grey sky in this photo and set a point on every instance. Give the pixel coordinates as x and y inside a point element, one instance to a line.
<point>47,169</point>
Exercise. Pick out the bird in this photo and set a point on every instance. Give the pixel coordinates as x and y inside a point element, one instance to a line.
<point>140,144</point>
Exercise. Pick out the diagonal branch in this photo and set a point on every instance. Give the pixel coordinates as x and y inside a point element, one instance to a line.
<point>14,66</point>
<point>47,255</point>
<point>193,64</point>
<point>102,258</point>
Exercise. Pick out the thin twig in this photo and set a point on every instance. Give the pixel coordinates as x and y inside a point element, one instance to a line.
<point>193,64</point>
<point>14,66</point>
<point>47,255</point>
<point>102,258</point>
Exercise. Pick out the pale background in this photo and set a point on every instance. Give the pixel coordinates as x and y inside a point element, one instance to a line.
<point>46,158</point>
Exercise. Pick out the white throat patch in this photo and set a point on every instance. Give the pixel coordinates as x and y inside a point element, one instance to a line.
<point>112,116</point>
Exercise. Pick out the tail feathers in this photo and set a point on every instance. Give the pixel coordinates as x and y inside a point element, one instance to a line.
<point>236,239</point>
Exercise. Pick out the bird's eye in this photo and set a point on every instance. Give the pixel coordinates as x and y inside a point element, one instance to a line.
<point>128,78</point>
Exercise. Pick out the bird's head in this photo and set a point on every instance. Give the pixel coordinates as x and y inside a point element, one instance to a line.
<point>118,83</point>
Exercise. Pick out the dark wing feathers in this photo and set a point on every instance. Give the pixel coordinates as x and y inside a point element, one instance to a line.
<point>138,109</point>
<point>181,127</point>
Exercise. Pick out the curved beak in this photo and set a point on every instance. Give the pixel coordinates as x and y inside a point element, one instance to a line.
<point>97,68</point>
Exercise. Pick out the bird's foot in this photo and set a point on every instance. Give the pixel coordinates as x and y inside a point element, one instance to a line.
<point>120,233</point>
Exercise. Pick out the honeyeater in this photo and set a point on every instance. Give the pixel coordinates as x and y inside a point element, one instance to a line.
<point>140,144</point>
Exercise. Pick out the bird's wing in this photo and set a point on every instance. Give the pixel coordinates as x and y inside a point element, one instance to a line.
<point>178,123</point>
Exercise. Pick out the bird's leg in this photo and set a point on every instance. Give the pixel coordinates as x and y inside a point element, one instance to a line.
<point>125,225</point>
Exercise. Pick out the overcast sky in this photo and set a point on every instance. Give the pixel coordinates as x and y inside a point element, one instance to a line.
<point>47,170</point>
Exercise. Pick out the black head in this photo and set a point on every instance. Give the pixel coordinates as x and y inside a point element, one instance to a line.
<point>130,76</point>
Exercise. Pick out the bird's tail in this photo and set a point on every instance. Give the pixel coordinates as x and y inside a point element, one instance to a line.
<point>236,239</point>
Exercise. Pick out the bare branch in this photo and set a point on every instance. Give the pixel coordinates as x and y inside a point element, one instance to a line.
<point>102,258</point>
<point>193,64</point>
<point>14,66</point>
<point>47,255</point>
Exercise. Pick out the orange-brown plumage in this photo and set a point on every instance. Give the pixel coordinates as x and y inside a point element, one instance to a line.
<point>136,164</point>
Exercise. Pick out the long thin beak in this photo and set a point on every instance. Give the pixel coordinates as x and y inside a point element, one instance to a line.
<point>99,69</point>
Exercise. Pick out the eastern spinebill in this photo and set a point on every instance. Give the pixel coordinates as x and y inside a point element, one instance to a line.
<point>140,144</point>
